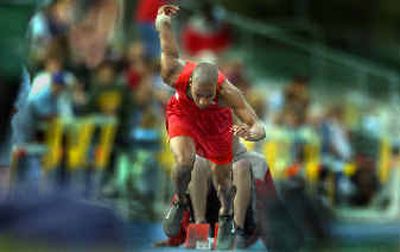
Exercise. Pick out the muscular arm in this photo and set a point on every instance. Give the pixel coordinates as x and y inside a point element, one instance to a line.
<point>171,64</point>
<point>234,98</point>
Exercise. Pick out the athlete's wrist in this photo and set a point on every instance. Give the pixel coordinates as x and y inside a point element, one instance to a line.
<point>161,20</point>
<point>258,130</point>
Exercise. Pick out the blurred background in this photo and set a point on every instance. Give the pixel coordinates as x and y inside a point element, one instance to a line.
<point>81,78</point>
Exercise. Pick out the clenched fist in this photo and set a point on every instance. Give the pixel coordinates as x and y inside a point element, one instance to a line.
<point>164,15</point>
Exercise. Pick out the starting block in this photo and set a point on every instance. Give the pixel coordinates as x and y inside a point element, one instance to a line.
<point>197,236</point>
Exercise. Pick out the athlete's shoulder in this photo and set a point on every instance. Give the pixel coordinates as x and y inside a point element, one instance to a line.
<point>184,74</point>
<point>226,88</point>
<point>188,66</point>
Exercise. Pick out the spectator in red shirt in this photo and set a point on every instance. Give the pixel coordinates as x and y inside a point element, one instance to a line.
<point>205,32</point>
<point>146,12</point>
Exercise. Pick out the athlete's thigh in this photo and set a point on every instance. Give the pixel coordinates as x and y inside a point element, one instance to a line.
<point>222,173</point>
<point>241,170</point>
<point>183,148</point>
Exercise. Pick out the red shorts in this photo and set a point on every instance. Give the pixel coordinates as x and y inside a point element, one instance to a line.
<point>212,135</point>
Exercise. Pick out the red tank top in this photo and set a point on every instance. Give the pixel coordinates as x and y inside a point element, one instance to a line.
<point>209,127</point>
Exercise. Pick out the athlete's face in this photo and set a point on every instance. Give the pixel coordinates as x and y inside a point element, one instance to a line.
<point>203,95</point>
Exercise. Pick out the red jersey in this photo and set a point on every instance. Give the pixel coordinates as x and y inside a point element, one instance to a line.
<point>146,10</point>
<point>210,128</point>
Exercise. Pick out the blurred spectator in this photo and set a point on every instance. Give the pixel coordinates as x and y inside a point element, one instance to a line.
<point>147,92</point>
<point>110,97</point>
<point>53,20</point>
<point>235,71</point>
<point>365,181</point>
<point>32,122</point>
<point>335,136</point>
<point>43,79</point>
<point>371,123</point>
<point>82,30</point>
<point>336,151</point>
<point>144,17</point>
<point>258,102</point>
<point>48,25</point>
<point>296,102</point>
<point>205,32</point>
<point>90,38</point>
<point>137,69</point>
<point>45,104</point>
<point>69,18</point>
<point>145,136</point>
<point>140,70</point>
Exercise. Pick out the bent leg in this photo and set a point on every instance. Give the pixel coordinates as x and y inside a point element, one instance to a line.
<point>184,153</point>
<point>222,179</point>
<point>198,188</point>
<point>242,183</point>
<point>183,149</point>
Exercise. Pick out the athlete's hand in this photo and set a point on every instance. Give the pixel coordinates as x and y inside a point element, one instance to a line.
<point>243,131</point>
<point>164,15</point>
<point>248,133</point>
<point>168,9</point>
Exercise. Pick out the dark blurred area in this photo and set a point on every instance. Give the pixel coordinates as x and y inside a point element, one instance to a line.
<point>366,28</point>
<point>84,156</point>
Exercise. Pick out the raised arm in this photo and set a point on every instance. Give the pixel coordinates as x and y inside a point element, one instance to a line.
<point>251,129</point>
<point>171,64</point>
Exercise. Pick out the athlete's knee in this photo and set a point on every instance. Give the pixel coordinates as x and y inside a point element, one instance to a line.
<point>241,169</point>
<point>185,158</point>
<point>201,168</point>
<point>182,173</point>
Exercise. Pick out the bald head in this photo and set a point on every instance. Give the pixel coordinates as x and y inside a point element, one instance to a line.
<point>204,84</point>
<point>205,74</point>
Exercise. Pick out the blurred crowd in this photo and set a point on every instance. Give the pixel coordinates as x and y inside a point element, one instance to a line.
<point>120,79</point>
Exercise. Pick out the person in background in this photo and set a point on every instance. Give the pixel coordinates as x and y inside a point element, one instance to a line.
<point>205,32</point>
<point>49,27</point>
<point>110,97</point>
<point>144,16</point>
<point>336,151</point>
